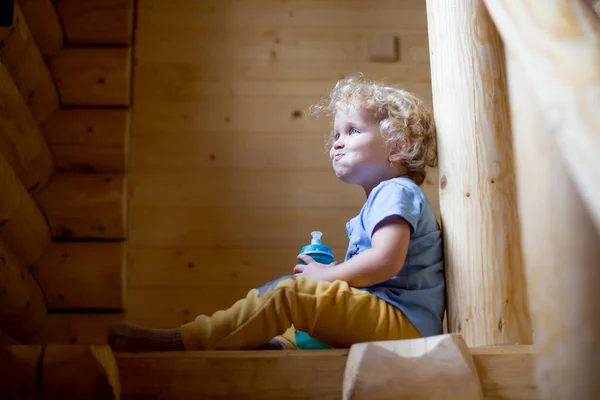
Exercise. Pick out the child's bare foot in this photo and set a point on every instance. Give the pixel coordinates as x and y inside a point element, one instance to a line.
<point>131,338</point>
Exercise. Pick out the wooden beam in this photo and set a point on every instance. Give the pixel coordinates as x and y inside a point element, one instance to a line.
<point>21,141</point>
<point>83,275</point>
<point>44,26</point>
<point>89,140</point>
<point>59,372</point>
<point>558,44</point>
<point>557,231</point>
<point>23,228</point>
<point>405,369</point>
<point>505,373</point>
<point>487,299</point>
<point>97,21</point>
<point>93,76</point>
<point>19,371</point>
<point>70,328</point>
<point>26,65</point>
<point>86,206</point>
<point>22,306</point>
<point>79,372</point>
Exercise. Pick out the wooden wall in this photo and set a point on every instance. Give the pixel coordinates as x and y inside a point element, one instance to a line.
<point>228,175</point>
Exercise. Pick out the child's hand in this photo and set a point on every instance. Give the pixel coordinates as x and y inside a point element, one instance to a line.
<point>312,269</point>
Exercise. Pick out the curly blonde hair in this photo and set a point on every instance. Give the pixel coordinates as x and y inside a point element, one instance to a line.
<point>404,120</point>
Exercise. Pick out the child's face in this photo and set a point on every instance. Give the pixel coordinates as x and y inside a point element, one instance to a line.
<point>359,153</point>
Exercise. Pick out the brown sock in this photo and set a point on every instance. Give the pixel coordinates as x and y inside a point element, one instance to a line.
<point>132,338</point>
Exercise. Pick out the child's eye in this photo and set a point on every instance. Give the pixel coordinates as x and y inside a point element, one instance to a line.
<point>354,130</point>
<point>336,136</point>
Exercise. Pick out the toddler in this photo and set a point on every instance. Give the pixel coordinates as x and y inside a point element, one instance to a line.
<point>391,283</point>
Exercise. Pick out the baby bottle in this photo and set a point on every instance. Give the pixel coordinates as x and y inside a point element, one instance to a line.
<point>321,254</point>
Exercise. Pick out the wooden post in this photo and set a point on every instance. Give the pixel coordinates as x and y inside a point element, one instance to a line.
<point>558,43</point>
<point>487,299</point>
<point>26,65</point>
<point>562,254</point>
<point>22,306</point>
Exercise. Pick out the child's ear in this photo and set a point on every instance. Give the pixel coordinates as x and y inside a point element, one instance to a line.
<point>396,158</point>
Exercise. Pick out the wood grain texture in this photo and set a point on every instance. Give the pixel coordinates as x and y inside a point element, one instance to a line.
<point>505,373</point>
<point>93,76</point>
<point>210,226</point>
<point>21,141</point>
<point>558,44</point>
<point>28,69</point>
<point>96,21</point>
<point>90,206</point>
<point>557,231</point>
<point>168,80</point>
<point>44,26</point>
<point>19,366</point>
<point>89,140</point>
<point>81,328</point>
<point>22,305</point>
<point>487,299</point>
<point>23,228</point>
<point>264,44</point>
<point>83,275</point>
<point>189,267</point>
<point>377,14</point>
<point>404,369</point>
<point>94,365</point>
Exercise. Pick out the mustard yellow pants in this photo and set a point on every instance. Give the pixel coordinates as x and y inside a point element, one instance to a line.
<point>331,312</point>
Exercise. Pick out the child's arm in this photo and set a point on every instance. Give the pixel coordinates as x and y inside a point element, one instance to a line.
<point>377,264</point>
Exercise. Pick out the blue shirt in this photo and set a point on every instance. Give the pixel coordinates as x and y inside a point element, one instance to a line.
<point>418,290</point>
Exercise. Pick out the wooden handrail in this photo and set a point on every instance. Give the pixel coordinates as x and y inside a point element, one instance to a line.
<point>558,44</point>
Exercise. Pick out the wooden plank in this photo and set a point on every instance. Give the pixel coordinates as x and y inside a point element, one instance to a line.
<point>96,21</point>
<point>63,328</point>
<point>19,368</point>
<point>83,275</point>
<point>178,266</point>
<point>566,342</point>
<point>21,141</point>
<point>22,305</point>
<point>94,367</point>
<point>190,151</point>
<point>505,373</point>
<point>192,80</point>
<point>23,228</point>
<point>44,26</point>
<point>89,140</point>
<point>244,188</point>
<point>233,375</point>
<point>93,76</point>
<point>210,226</point>
<point>487,296</point>
<point>241,113</point>
<point>284,43</point>
<point>28,69</point>
<point>377,14</point>
<point>86,206</point>
<point>251,188</point>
